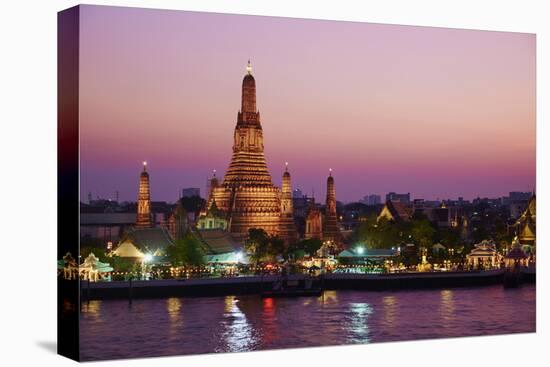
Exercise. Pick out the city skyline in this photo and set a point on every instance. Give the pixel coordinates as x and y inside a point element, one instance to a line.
<point>437,99</point>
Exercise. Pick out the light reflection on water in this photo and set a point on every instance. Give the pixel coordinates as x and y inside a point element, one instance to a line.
<point>357,324</point>
<point>112,329</point>
<point>447,307</point>
<point>92,309</point>
<point>237,335</point>
<point>390,307</point>
<point>173,307</point>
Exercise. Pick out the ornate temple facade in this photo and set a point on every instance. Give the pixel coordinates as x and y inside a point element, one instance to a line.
<point>314,222</point>
<point>247,196</point>
<point>324,227</point>
<point>144,217</point>
<point>178,224</point>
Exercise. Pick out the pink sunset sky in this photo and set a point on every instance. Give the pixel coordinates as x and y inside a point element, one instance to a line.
<point>436,112</point>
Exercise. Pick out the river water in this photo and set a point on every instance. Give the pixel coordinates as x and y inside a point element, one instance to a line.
<point>160,327</point>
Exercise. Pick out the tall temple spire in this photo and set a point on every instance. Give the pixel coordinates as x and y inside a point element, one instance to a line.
<point>286,193</point>
<point>248,103</point>
<point>287,228</point>
<point>213,182</point>
<point>331,231</point>
<point>143,219</point>
<point>331,195</point>
<point>247,197</point>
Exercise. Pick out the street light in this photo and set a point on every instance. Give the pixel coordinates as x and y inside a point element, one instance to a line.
<point>147,258</point>
<point>360,250</point>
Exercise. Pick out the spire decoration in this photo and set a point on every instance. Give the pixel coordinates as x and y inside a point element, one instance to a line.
<point>248,113</point>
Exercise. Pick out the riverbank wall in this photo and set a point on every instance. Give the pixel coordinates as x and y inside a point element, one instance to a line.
<point>242,285</point>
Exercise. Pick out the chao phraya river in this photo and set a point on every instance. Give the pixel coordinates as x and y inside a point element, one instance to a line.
<point>171,326</point>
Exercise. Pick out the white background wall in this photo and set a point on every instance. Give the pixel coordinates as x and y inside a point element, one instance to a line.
<point>28,180</point>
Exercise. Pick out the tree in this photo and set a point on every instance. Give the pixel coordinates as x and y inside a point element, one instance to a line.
<point>448,237</point>
<point>186,251</point>
<point>256,244</point>
<point>502,235</point>
<point>365,230</point>
<point>387,234</point>
<point>310,246</point>
<point>122,264</point>
<point>276,247</point>
<point>422,232</point>
<point>262,247</point>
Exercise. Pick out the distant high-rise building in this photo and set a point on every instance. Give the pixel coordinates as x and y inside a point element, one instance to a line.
<point>403,198</point>
<point>190,191</point>
<point>297,194</point>
<point>519,196</point>
<point>144,200</point>
<point>418,205</point>
<point>371,199</point>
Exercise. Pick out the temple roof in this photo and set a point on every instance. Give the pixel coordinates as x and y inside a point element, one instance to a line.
<point>483,249</point>
<point>148,240</point>
<point>397,211</point>
<point>526,223</point>
<point>217,241</point>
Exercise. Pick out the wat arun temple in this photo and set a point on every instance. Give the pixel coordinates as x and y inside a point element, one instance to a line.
<point>247,197</point>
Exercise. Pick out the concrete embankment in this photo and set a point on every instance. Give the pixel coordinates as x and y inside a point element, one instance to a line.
<point>256,284</point>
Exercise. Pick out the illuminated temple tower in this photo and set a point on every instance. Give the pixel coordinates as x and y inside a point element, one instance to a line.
<point>287,229</point>
<point>247,195</point>
<point>331,232</point>
<point>143,219</point>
